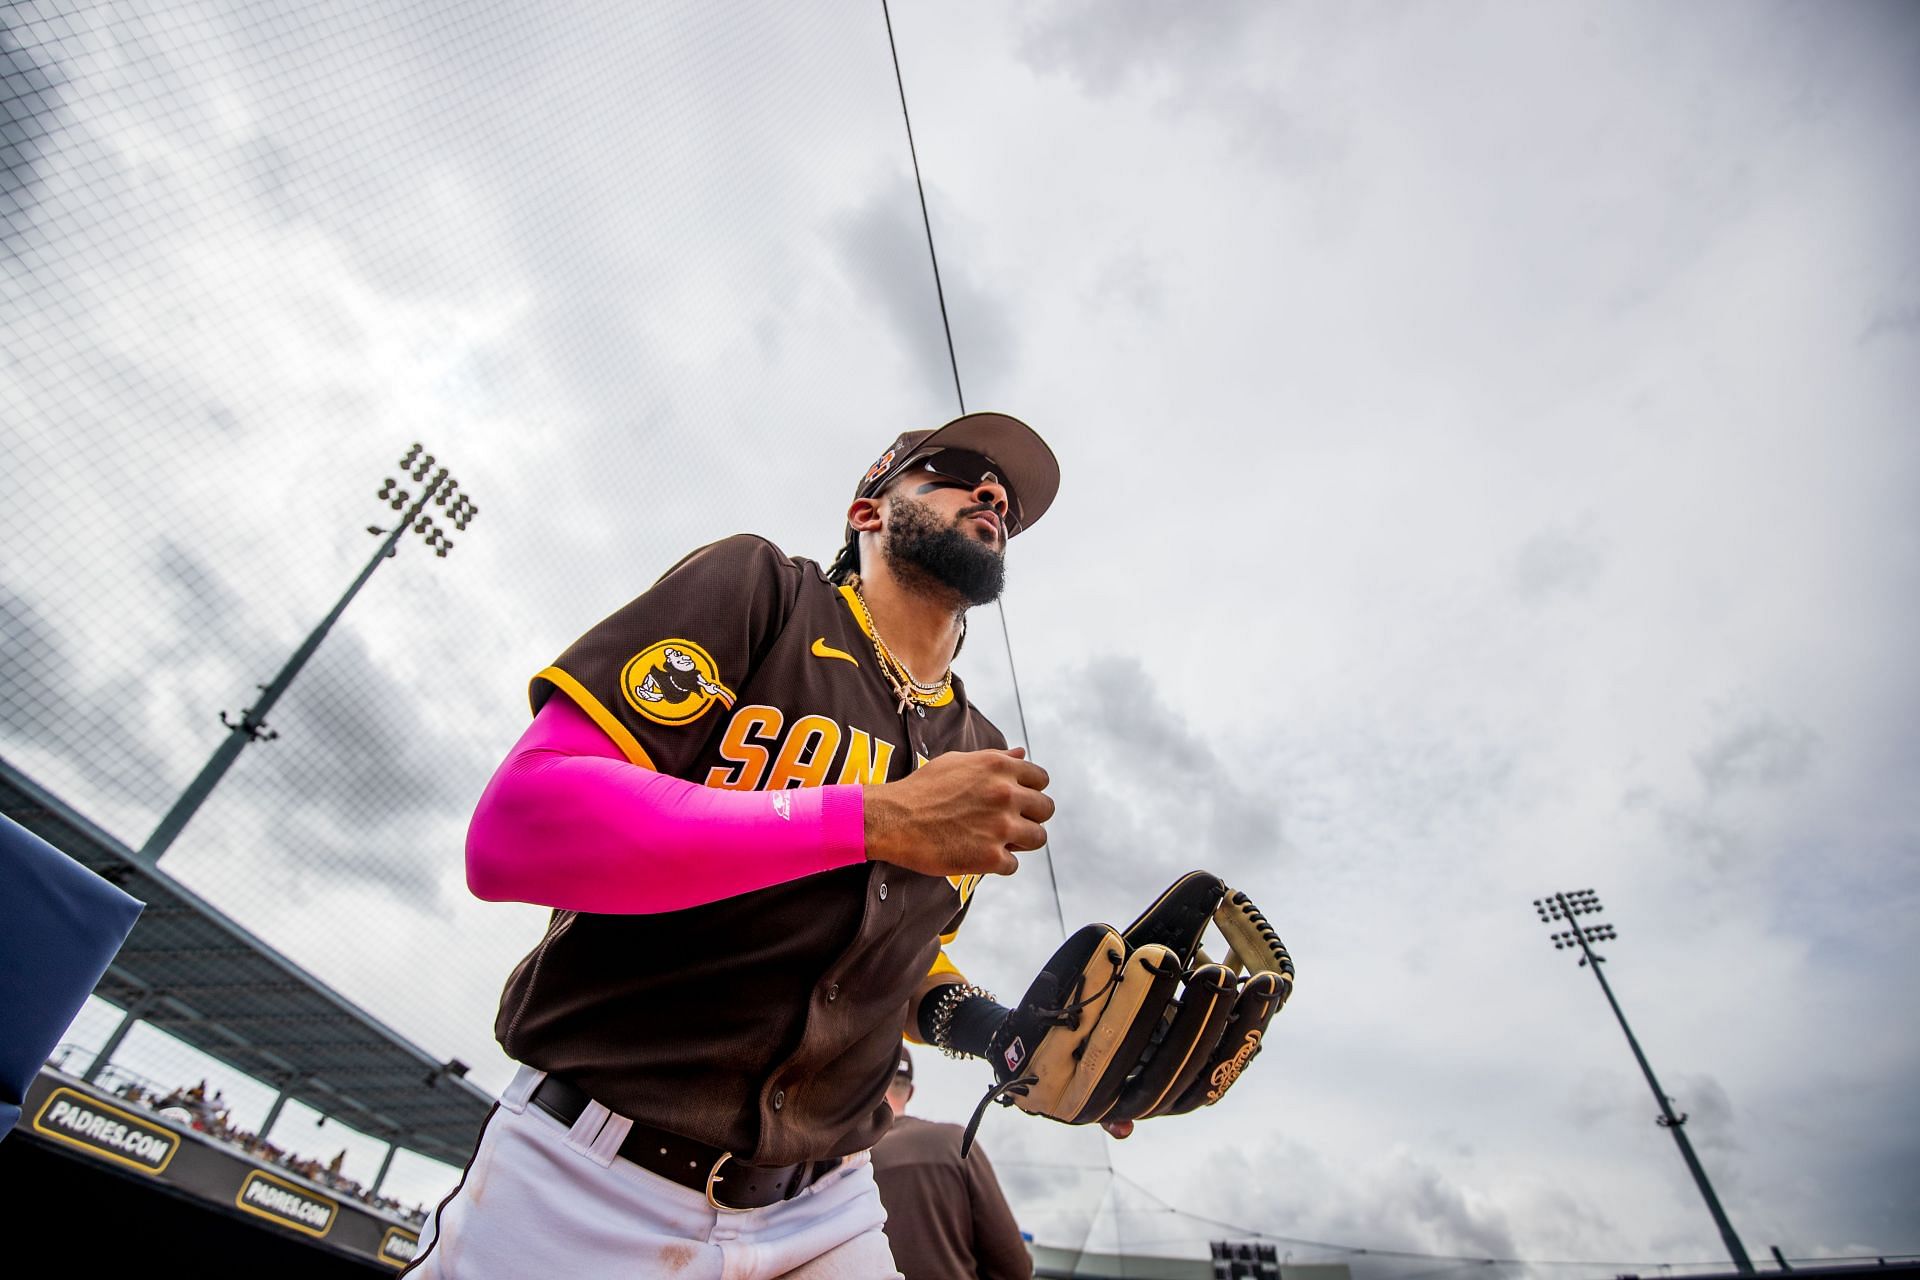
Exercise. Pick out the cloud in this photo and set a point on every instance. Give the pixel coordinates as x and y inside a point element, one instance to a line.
<point>59,722</point>
<point>1715,843</point>
<point>1142,792</point>
<point>1711,1123</point>
<point>201,598</point>
<point>1109,47</point>
<point>1751,763</point>
<point>1558,562</point>
<point>1757,751</point>
<point>1131,279</point>
<point>29,117</point>
<point>1236,1191</point>
<point>882,248</point>
<point>358,788</point>
<point>32,647</point>
<point>1198,65</point>
<point>1893,322</point>
<point>1450,1218</point>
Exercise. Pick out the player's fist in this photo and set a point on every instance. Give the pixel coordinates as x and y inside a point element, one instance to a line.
<point>962,813</point>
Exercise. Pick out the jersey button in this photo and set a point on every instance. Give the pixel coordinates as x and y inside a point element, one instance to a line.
<point>833,992</point>
<point>779,1099</point>
<point>883,891</point>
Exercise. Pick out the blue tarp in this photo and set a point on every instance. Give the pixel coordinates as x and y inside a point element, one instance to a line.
<point>60,926</point>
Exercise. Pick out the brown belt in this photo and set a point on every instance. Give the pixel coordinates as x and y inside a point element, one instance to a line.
<point>726,1182</point>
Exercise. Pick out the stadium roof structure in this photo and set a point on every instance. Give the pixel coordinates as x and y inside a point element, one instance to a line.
<point>189,970</point>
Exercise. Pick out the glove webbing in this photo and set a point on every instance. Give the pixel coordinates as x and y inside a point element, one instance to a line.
<point>1253,946</point>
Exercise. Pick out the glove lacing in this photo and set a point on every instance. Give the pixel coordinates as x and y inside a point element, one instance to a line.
<point>1066,1015</point>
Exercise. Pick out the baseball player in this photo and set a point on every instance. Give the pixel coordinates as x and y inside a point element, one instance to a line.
<point>758,802</point>
<point>946,1215</point>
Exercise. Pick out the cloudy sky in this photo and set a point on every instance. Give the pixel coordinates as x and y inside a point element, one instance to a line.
<point>1488,455</point>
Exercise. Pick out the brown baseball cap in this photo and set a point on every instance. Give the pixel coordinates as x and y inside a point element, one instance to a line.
<point>1014,454</point>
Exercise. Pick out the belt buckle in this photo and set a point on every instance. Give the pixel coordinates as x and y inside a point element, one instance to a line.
<point>713,1176</point>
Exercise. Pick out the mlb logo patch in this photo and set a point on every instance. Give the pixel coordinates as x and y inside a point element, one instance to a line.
<point>1016,1054</point>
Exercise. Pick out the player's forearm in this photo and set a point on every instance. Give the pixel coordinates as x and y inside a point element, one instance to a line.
<point>567,823</point>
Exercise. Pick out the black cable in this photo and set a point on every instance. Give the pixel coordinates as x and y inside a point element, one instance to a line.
<point>924,220</point>
<point>1019,703</point>
<point>1020,708</point>
<point>953,361</point>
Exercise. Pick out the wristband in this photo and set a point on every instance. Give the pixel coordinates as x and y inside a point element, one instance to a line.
<point>960,1019</point>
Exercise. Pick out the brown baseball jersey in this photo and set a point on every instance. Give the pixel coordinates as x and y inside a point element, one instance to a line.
<point>767,1024</point>
<point>947,1218</point>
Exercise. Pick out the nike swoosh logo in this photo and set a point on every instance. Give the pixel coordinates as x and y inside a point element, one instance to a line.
<point>821,649</point>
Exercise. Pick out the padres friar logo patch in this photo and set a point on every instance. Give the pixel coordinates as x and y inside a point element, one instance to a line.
<point>673,682</point>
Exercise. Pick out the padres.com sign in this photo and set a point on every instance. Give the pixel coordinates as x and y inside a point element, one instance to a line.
<point>277,1200</point>
<point>107,1131</point>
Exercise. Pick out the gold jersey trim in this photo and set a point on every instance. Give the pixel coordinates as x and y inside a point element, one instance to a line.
<point>608,722</point>
<point>853,607</point>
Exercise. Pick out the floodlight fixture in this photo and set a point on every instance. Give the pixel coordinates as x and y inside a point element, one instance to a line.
<point>442,491</point>
<point>417,464</point>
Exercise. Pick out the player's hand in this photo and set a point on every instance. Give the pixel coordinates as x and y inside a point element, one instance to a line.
<point>962,813</point>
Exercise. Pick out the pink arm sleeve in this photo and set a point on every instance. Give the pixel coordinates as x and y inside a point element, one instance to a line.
<point>567,822</point>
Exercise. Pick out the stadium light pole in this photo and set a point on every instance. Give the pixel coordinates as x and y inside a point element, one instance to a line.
<point>443,491</point>
<point>1581,902</point>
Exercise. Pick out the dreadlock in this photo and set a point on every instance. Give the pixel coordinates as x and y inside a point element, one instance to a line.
<point>847,563</point>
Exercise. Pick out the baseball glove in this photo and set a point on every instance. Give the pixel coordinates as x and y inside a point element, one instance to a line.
<point>1128,1024</point>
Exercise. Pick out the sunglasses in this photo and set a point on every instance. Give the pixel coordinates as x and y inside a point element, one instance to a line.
<point>972,470</point>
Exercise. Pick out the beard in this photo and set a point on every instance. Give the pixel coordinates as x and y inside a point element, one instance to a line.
<point>922,551</point>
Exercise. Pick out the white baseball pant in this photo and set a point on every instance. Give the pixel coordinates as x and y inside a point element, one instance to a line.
<point>539,1199</point>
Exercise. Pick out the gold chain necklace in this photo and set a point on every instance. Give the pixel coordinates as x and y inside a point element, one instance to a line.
<point>917,693</point>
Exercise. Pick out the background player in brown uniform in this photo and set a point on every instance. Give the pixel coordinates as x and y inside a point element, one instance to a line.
<point>946,1215</point>
<point>753,864</point>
